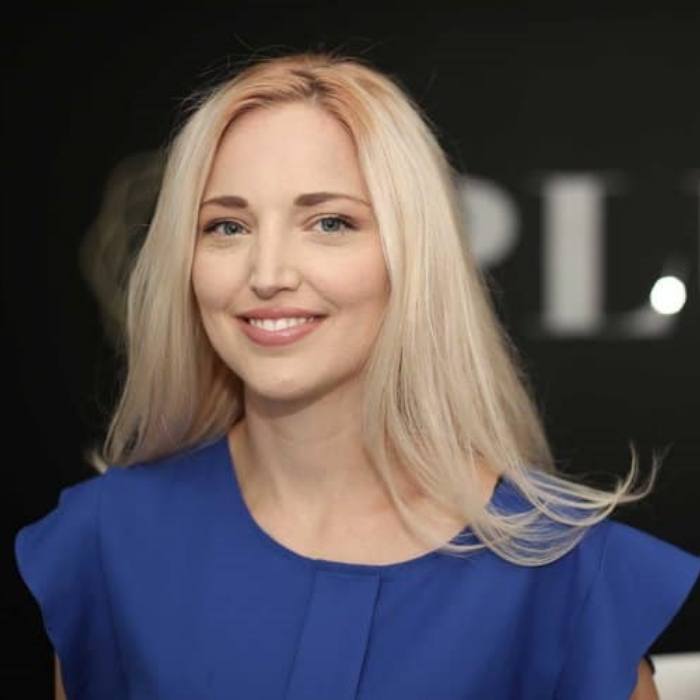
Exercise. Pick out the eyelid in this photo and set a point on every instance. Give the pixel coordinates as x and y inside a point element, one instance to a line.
<point>211,225</point>
<point>348,221</point>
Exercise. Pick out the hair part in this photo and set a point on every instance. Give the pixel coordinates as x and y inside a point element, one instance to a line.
<point>445,386</point>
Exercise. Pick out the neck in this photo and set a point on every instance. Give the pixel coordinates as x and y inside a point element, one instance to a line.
<point>317,479</point>
<point>308,468</point>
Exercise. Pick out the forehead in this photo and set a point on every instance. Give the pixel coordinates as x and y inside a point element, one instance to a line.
<point>281,121</point>
<point>294,145</point>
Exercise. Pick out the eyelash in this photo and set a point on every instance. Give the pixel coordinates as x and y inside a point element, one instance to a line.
<point>349,226</point>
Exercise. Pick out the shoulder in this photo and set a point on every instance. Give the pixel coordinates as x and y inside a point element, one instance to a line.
<point>647,572</point>
<point>612,556</point>
<point>183,476</point>
<point>162,508</point>
<point>623,604</point>
<point>605,544</point>
<point>121,499</point>
<point>59,558</point>
<point>612,571</point>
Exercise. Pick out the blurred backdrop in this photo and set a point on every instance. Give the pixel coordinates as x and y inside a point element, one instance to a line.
<point>576,136</point>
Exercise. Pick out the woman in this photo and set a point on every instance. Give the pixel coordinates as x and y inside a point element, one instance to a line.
<point>356,499</point>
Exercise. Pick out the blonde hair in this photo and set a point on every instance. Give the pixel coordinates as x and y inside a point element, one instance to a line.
<point>444,384</point>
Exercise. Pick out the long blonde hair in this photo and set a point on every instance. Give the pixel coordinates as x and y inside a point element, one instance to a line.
<point>444,383</point>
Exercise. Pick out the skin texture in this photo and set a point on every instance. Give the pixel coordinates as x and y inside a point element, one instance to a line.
<point>302,401</point>
<point>646,688</point>
<point>60,693</point>
<point>302,467</point>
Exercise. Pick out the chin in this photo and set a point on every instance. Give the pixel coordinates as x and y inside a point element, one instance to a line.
<point>281,391</point>
<point>294,390</point>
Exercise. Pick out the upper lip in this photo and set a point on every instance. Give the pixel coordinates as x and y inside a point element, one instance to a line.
<point>278,312</point>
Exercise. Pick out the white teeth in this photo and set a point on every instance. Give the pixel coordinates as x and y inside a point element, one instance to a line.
<point>277,324</point>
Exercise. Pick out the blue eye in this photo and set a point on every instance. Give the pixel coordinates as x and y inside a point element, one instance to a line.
<point>345,222</point>
<point>216,224</point>
<point>224,226</point>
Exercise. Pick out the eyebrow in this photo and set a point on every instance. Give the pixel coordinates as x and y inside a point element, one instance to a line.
<point>309,199</point>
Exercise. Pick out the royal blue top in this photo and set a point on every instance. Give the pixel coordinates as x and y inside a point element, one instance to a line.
<point>155,581</point>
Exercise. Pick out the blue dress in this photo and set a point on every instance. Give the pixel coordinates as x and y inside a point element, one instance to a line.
<point>155,581</point>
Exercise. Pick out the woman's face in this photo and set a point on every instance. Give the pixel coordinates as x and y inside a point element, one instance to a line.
<point>277,253</point>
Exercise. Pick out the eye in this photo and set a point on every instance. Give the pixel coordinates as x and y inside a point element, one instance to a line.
<point>216,224</point>
<point>228,229</point>
<point>346,223</point>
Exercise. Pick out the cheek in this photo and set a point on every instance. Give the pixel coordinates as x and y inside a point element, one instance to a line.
<point>365,282</point>
<point>212,283</point>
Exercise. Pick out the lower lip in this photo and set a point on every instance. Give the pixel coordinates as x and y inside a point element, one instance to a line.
<point>284,336</point>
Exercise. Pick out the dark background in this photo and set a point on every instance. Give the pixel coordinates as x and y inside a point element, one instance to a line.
<point>517,96</point>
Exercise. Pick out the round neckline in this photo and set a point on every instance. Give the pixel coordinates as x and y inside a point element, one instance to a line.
<point>233,487</point>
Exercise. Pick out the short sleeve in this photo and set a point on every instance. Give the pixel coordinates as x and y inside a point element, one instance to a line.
<point>639,588</point>
<point>58,558</point>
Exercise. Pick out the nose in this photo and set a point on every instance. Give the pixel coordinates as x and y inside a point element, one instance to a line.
<point>272,262</point>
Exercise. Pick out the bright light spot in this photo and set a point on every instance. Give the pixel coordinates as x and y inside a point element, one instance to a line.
<point>668,295</point>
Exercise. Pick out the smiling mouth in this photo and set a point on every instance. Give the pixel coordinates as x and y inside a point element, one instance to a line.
<point>298,321</point>
<point>279,336</point>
